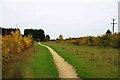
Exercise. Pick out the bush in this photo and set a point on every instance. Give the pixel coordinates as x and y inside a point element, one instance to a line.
<point>106,40</point>
<point>14,44</point>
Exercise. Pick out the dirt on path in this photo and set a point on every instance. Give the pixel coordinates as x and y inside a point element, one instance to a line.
<point>65,70</point>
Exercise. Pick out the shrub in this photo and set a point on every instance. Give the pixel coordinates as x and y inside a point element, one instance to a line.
<point>14,44</point>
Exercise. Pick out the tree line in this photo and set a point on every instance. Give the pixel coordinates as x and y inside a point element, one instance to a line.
<point>37,34</point>
<point>7,31</point>
<point>106,40</point>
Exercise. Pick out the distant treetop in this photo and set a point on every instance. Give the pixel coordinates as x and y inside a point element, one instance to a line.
<point>108,32</point>
<point>60,37</point>
<point>8,31</point>
<point>37,34</point>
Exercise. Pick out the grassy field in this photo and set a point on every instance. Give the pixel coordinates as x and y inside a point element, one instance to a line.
<point>36,62</point>
<point>89,62</point>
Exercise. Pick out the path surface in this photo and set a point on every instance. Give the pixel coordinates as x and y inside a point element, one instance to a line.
<point>65,70</point>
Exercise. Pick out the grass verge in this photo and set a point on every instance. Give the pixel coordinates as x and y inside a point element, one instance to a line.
<point>89,62</point>
<point>36,62</point>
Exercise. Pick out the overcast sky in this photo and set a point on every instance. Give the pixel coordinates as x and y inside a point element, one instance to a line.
<point>71,18</point>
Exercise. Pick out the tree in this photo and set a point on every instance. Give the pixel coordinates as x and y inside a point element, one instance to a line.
<point>37,34</point>
<point>47,38</point>
<point>60,37</point>
<point>7,31</point>
<point>108,32</point>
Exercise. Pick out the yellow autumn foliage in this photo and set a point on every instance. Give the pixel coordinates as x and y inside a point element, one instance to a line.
<point>0,41</point>
<point>14,44</point>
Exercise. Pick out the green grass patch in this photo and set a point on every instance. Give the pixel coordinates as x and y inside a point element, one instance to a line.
<point>89,62</point>
<point>36,63</point>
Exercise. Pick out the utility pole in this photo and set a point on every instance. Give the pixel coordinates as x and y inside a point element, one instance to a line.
<point>113,24</point>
